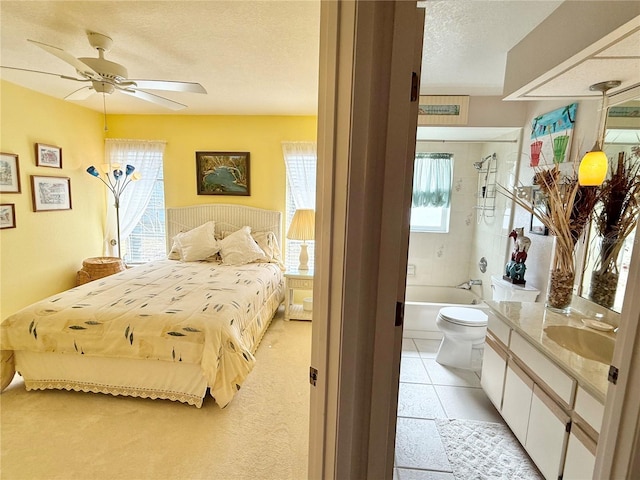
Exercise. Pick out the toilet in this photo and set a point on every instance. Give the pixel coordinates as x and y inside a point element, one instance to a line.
<point>464,329</point>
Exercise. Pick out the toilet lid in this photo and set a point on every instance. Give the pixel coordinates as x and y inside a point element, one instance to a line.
<point>471,317</point>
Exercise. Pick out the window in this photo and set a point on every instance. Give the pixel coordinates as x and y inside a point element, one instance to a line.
<point>300,160</point>
<point>147,240</point>
<point>431,199</point>
<point>142,218</point>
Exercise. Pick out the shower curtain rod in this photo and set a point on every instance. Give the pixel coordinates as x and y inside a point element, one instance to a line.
<point>466,141</point>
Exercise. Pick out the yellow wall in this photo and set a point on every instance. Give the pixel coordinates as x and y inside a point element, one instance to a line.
<point>261,136</point>
<point>41,256</point>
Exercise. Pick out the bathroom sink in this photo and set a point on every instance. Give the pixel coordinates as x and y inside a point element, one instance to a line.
<point>586,343</point>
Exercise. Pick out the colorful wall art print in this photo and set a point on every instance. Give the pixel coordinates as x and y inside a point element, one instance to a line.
<point>222,173</point>
<point>551,135</point>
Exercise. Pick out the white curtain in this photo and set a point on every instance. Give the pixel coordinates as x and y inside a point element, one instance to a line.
<point>300,160</point>
<point>146,156</point>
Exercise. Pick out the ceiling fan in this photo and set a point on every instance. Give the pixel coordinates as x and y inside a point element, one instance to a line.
<point>107,77</point>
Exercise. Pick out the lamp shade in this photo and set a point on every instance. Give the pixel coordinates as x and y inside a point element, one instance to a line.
<point>303,225</point>
<point>593,168</point>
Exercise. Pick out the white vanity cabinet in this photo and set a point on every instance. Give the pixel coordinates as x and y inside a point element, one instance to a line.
<point>547,434</point>
<point>494,361</point>
<point>581,452</point>
<point>516,402</point>
<point>494,365</point>
<point>551,400</point>
<point>581,456</point>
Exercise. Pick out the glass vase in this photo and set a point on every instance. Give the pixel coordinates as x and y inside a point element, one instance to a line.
<point>603,287</point>
<point>560,290</point>
<point>561,280</point>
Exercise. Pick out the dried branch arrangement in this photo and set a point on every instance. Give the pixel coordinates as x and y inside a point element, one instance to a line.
<point>568,209</point>
<point>616,217</point>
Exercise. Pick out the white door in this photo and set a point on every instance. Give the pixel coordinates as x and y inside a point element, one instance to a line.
<point>366,145</point>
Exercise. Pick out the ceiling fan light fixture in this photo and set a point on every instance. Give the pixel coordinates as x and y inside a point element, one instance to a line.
<point>103,87</point>
<point>594,164</point>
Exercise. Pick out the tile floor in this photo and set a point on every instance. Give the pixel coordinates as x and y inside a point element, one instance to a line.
<point>428,391</point>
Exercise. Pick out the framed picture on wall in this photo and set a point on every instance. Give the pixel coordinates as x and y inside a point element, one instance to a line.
<point>539,204</point>
<point>50,193</point>
<point>7,215</point>
<point>48,156</point>
<point>222,173</point>
<point>9,173</point>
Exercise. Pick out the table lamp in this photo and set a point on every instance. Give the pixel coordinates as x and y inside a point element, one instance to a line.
<point>303,228</point>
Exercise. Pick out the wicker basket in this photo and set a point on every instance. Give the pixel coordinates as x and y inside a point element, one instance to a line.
<point>98,267</point>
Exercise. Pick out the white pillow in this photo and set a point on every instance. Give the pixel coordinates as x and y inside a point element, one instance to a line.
<point>268,242</point>
<point>198,243</point>
<point>239,248</point>
<point>174,254</point>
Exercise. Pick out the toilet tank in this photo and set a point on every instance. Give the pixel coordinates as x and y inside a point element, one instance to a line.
<point>507,291</point>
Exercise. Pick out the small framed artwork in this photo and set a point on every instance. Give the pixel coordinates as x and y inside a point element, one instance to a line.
<point>7,215</point>
<point>50,193</point>
<point>443,110</point>
<point>222,173</point>
<point>48,156</point>
<point>538,203</point>
<point>9,173</point>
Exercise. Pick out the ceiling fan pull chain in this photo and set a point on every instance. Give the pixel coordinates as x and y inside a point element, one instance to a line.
<point>104,109</point>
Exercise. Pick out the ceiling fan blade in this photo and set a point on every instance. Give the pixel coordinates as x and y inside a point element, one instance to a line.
<point>150,97</point>
<point>66,77</point>
<point>80,94</point>
<point>80,66</point>
<point>170,86</point>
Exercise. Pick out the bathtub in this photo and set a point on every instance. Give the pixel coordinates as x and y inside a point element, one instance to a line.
<point>422,304</point>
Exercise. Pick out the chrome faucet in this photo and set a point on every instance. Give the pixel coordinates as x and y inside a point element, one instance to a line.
<point>467,285</point>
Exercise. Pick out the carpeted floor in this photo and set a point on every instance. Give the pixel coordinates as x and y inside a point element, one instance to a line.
<point>262,434</point>
<point>483,450</point>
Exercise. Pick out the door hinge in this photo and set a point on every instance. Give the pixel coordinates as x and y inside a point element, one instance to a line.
<point>415,84</point>
<point>313,376</point>
<point>613,375</point>
<point>567,427</point>
<point>399,314</point>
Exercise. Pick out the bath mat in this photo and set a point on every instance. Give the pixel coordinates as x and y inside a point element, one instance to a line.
<point>483,450</point>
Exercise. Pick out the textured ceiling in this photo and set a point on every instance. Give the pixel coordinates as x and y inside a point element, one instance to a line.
<point>261,57</point>
<point>253,57</point>
<point>466,42</point>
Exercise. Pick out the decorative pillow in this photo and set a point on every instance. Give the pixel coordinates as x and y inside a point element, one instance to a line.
<point>197,244</point>
<point>174,254</point>
<point>268,242</point>
<point>239,248</point>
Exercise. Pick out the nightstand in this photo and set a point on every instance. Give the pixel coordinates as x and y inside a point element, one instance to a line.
<point>296,280</point>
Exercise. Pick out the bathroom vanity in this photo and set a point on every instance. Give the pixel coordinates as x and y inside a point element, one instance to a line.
<point>546,373</point>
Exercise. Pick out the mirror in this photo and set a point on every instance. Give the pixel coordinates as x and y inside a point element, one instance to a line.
<point>610,239</point>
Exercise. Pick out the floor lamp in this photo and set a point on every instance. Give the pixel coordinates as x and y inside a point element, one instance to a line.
<point>116,181</point>
<point>303,228</point>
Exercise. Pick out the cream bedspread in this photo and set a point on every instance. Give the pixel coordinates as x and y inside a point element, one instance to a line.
<point>197,312</point>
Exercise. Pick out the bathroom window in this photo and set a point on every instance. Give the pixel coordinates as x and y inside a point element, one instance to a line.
<point>431,199</point>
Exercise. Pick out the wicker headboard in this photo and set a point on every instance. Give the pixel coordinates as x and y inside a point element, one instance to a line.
<point>227,218</point>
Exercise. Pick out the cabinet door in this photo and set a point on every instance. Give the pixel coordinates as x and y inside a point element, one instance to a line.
<point>494,364</point>
<point>547,434</point>
<point>581,456</point>
<point>516,402</point>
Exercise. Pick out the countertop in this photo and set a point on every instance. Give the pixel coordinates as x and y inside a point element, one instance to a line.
<point>530,319</point>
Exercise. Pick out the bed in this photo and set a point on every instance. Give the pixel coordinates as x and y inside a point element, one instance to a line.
<point>170,329</point>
